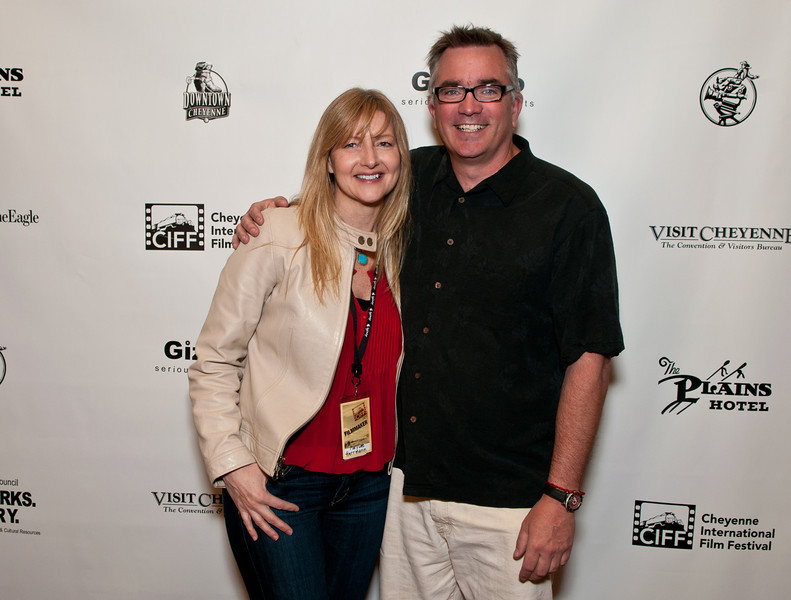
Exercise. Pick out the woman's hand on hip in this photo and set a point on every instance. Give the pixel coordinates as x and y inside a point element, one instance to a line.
<point>247,487</point>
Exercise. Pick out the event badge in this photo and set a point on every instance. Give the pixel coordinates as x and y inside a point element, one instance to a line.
<point>356,427</point>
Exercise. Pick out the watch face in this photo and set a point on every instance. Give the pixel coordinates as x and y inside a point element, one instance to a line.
<point>573,502</point>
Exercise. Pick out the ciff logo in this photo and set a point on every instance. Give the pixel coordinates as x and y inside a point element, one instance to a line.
<point>175,227</point>
<point>207,96</point>
<point>663,525</point>
<point>727,388</point>
<point>728,96</point>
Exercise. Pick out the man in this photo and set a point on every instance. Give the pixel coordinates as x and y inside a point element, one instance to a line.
<point>510,315</point>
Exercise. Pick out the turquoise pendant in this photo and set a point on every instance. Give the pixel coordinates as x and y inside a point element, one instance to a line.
<point>362,259</point>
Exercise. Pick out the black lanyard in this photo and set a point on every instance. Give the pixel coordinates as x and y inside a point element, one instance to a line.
<point>359,351</point>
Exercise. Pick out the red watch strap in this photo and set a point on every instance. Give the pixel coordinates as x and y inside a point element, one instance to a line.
<point>564,490</point>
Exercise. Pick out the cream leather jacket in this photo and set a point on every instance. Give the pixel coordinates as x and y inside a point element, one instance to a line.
<point>268,350</point>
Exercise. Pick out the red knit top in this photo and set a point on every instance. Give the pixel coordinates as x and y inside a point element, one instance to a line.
<point>317,447</point>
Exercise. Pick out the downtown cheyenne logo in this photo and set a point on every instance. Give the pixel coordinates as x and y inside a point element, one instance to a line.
<point>725,389</point>
<point>207,96</point>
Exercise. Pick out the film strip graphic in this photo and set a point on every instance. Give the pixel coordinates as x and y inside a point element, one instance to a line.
<point>663,525</point>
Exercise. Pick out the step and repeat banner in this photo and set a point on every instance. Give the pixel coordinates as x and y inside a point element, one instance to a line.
<point>135,134</point>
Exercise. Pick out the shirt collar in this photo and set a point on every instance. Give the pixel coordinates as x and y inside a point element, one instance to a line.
<point>505,183</point>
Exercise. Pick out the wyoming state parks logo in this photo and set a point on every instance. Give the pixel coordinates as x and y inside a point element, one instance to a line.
<point>207,96</point>
<point>728,96</point>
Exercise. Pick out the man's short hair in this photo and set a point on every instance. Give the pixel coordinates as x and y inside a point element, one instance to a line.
<point>464,36</point>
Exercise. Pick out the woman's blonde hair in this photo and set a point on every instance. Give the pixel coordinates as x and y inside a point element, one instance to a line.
<point>349,115</point>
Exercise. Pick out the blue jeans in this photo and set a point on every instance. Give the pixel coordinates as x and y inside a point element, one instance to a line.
<point>333,550</point>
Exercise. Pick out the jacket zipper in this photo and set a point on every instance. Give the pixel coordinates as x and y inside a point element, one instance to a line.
<point>281,453</point>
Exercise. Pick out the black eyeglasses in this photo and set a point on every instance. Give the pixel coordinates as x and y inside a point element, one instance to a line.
<point>488,92</point>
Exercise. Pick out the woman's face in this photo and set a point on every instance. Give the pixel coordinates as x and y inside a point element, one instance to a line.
<point>366,168</point>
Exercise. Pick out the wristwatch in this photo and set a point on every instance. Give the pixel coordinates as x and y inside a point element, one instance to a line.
<point>570,499</point>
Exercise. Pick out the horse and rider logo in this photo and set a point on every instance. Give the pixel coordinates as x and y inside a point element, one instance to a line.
<point>728,96</point>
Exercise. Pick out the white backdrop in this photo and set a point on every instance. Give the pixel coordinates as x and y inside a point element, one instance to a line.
<point>102,492</point>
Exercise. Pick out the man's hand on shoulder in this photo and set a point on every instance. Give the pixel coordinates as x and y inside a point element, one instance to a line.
<point>544,539</point>
<point>252,219</point>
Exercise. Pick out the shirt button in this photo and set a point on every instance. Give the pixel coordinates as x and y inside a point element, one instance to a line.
<point>437,285</point>
<point>461,200</point>
<point>450,241</point>
<point>413,419</point>
<point>417,375</point>
<point>425,330</point>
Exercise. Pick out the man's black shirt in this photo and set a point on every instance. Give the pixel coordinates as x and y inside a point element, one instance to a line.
<point>503,287</point>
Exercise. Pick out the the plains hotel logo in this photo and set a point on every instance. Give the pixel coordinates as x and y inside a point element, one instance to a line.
<point>726,388</point>
<point>728,96</point>
<point>671,525</point>
<point>724,238</point>
<point>207,96</point>
<point>186,503</point>
<point>9,81</point>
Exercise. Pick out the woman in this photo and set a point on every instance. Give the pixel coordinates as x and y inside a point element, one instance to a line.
<point>306,317</point>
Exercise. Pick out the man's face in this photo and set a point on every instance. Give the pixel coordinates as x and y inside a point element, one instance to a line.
<point>475,132</point>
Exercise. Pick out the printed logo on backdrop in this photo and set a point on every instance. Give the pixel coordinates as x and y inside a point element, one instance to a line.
<point>174,227</point>
<point>420,82</point>
<point>207,96</point>
<point>189,503</point>
<point>726,388</point>
<point>2,365</point>
<point>183,227</point>
<point>8,77</point>
<point>15,507</point>
<point>663,525</point>
<point>728,96</point>
<point>670,525</point>
<point>24,218</point>
<point>717,238</point>
<point>180,356</point>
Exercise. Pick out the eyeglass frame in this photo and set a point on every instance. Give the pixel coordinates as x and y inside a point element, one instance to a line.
<point>503,90</point>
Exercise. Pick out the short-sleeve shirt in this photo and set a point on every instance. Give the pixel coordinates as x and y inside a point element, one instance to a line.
<point>503,287</point>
